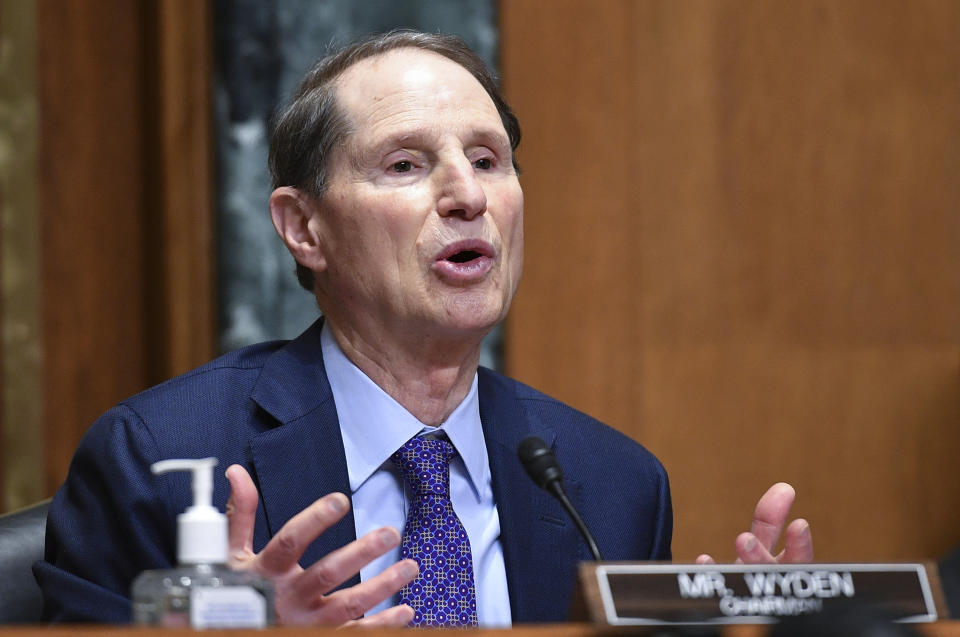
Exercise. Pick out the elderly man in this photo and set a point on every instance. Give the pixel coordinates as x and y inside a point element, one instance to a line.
<point>397,195</point>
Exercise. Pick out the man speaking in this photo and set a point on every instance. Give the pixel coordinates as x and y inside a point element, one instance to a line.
<point>373,471</point>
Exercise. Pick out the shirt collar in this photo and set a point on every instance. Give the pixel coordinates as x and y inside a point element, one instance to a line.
<point>374,425</point>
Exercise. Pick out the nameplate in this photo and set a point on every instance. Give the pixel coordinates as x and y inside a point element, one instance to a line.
<point>623,594</point>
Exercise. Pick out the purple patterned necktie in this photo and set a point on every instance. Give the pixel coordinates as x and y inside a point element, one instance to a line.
<point>443,593</point>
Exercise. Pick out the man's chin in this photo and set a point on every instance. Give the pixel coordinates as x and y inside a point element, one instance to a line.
<point>471,322</point>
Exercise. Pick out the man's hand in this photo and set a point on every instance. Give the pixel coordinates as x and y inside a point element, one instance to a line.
<point>302,596</point>
<point>770,516</point>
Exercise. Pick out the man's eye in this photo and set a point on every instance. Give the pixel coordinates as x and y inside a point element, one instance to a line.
<point>483,164</point>
<point>402,167</point>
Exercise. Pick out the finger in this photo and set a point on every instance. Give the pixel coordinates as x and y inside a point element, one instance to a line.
<point>705,559</point>
<point>287,546</point>
<point>351,603</point>
<point>771,513</point>
<point>340,565</point>
<point>395,616</point>
<point>798,544</point>
<point>241,511</point>
<point>752,551</point>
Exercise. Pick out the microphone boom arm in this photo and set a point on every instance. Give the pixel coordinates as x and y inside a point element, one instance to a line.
<point>543,468</point>
<point>557,490</point>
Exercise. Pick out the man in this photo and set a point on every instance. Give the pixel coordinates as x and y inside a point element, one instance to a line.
<point>397,194</point>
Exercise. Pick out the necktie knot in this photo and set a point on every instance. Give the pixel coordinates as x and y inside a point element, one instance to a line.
<point>424,464</point>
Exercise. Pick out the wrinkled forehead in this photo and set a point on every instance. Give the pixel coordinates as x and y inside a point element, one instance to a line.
<point>409,83</point>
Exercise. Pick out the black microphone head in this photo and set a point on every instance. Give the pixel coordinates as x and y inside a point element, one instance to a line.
<point>538,459</point>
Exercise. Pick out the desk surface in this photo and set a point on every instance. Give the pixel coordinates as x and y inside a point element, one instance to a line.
<point>938,629</point>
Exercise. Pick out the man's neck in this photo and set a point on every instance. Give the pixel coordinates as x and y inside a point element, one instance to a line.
<point>428,378</point>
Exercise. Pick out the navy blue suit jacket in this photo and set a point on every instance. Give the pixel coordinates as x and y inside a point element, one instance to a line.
<point>269,408</point>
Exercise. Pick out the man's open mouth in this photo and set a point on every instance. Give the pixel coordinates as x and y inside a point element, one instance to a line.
<point>464,256</point>
<point>465,251</point>
<point>465,261</point>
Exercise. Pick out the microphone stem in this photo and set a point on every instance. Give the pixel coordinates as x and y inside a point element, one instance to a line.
<point>557,490</point>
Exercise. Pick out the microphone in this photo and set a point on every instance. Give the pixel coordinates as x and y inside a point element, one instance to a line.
<point>542,467</point>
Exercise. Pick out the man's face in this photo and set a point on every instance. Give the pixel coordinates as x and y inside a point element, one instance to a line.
<point>422,224</point>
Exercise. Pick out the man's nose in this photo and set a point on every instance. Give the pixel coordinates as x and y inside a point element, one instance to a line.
<point>461,193</point>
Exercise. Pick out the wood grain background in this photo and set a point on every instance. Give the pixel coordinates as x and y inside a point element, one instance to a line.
<point>743,224</point>
<point>125,205</point>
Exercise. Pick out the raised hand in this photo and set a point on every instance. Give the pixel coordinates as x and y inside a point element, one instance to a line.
<point>303,596</point>
<point>757,546</point>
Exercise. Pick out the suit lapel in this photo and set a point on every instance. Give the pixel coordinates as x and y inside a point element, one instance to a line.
<point>302,459</point>
<point>537,537</point>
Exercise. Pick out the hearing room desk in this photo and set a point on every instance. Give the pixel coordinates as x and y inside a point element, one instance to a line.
<point>950,628</point>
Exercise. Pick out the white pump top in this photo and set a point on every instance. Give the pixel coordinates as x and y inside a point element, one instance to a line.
<point>202,528</point>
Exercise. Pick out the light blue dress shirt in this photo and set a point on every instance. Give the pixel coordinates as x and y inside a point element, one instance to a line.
<point>373,426</point>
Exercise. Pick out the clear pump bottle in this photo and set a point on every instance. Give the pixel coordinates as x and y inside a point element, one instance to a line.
<point>202,592</point>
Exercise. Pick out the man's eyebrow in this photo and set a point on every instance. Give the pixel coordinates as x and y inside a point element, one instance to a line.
<point>497,140</point>
<point>404,139</point>
<point>492,137</point>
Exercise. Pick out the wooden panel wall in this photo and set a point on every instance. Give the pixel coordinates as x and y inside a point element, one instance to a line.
<point>21,450</point>
<point>743,249</point>
<point>125,205</point>
<point>185,156</point>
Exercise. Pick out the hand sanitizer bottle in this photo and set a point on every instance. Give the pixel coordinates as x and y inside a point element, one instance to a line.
<point>202,592</point>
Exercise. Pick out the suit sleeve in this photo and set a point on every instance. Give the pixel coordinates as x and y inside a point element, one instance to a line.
<point>662,532</point>
<point>107,523</point>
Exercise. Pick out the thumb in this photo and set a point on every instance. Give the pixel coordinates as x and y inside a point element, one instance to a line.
<point>241,513</point>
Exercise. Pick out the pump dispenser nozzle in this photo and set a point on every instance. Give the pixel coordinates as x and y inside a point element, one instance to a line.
<point>202,528</point>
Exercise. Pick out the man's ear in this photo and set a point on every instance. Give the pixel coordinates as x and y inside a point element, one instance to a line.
<point>292,211</point>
